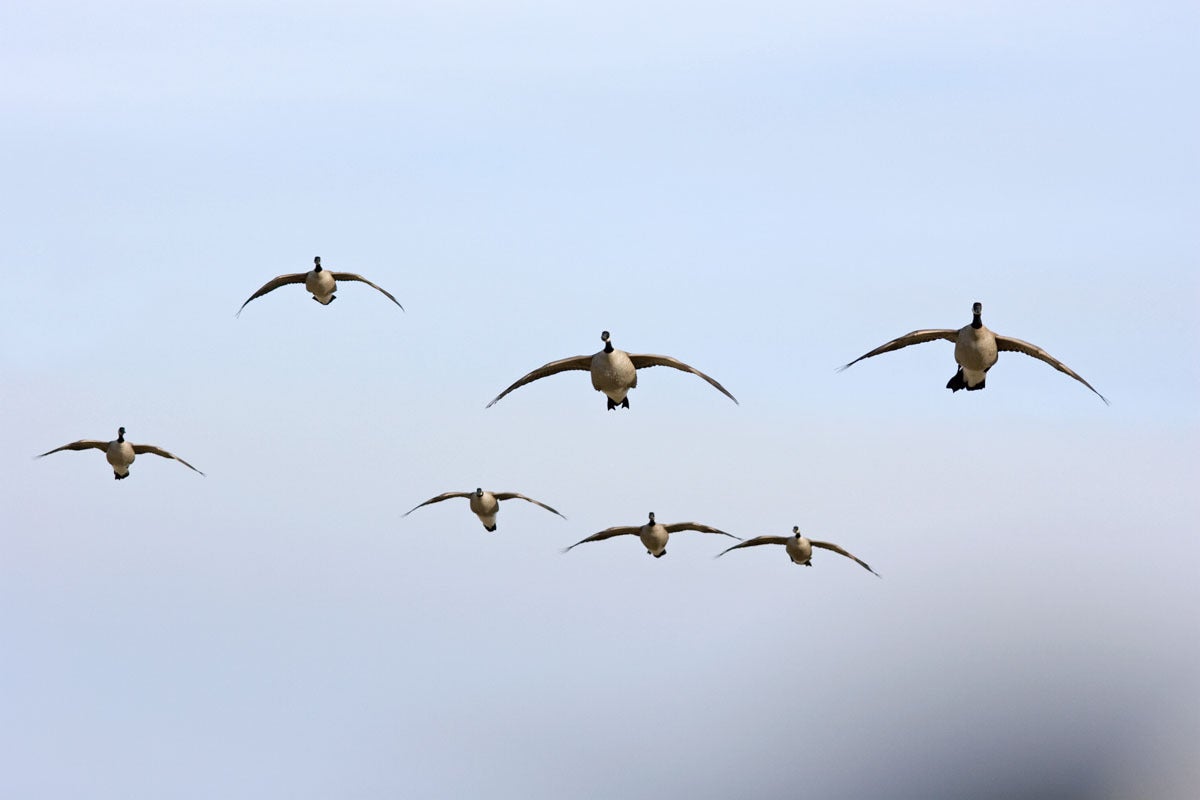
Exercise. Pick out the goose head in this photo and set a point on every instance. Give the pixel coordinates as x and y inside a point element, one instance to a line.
<point>651,522</point>
<point>977,311</point>
<point>121,434</point>
<point>316,263</point>
<point>478,492</point>
<point>608,348</point>
<point>796,531</point>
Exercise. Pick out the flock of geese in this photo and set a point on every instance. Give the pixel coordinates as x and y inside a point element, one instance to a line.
<point>614,373</point>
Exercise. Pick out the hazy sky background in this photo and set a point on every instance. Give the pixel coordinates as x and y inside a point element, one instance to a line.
<point>764,190</point>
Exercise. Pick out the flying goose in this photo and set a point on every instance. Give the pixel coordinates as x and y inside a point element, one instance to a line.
<point>653,534</point>
<point>976,350</point>
<point>799,548</point>
<point>119,453</point>
<point>614,372</point>
<point>485,505</point>
<point>320,282</point>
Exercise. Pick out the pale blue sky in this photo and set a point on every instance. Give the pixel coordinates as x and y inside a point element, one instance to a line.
<point>765,192</point>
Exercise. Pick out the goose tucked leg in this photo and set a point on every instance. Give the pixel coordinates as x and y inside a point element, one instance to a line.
<point>970,379</point>
<point>119,477</point>
<point>658,555</point>
<point>490,528</point>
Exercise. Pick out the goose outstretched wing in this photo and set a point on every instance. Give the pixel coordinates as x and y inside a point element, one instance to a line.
<point>1008,343</point>
<point>158,451</point>
<point>846,553</point>
<point>437,499</point>
<point>643,361</point>
<point>273,284</point>
<point>350,276</point>
<point>608,533</point>
<point>516,496</point>
<point>915,337</point>
<point>755,542</point>
<point>82,444</point>
<point>546,370</point>
<point>676,527</point>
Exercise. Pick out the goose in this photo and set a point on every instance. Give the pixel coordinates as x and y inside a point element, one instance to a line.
<point>485,505</point>
<point>614,372</point>
<point>799,548</point>
<point>320,282</point>
<point>653,534</point>
<point>119,453</point>
<point>976,350</point>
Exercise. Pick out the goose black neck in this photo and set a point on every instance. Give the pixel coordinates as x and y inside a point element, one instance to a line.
<point>608,348</point>
<point>977,322</point>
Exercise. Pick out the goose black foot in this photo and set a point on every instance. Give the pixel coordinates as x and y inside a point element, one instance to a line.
<point>625,403</point>
<point>959,382</point>
<point>119,477</point>
<point>658,555</point>
<point>489,529</point>
<point>611,404</point>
